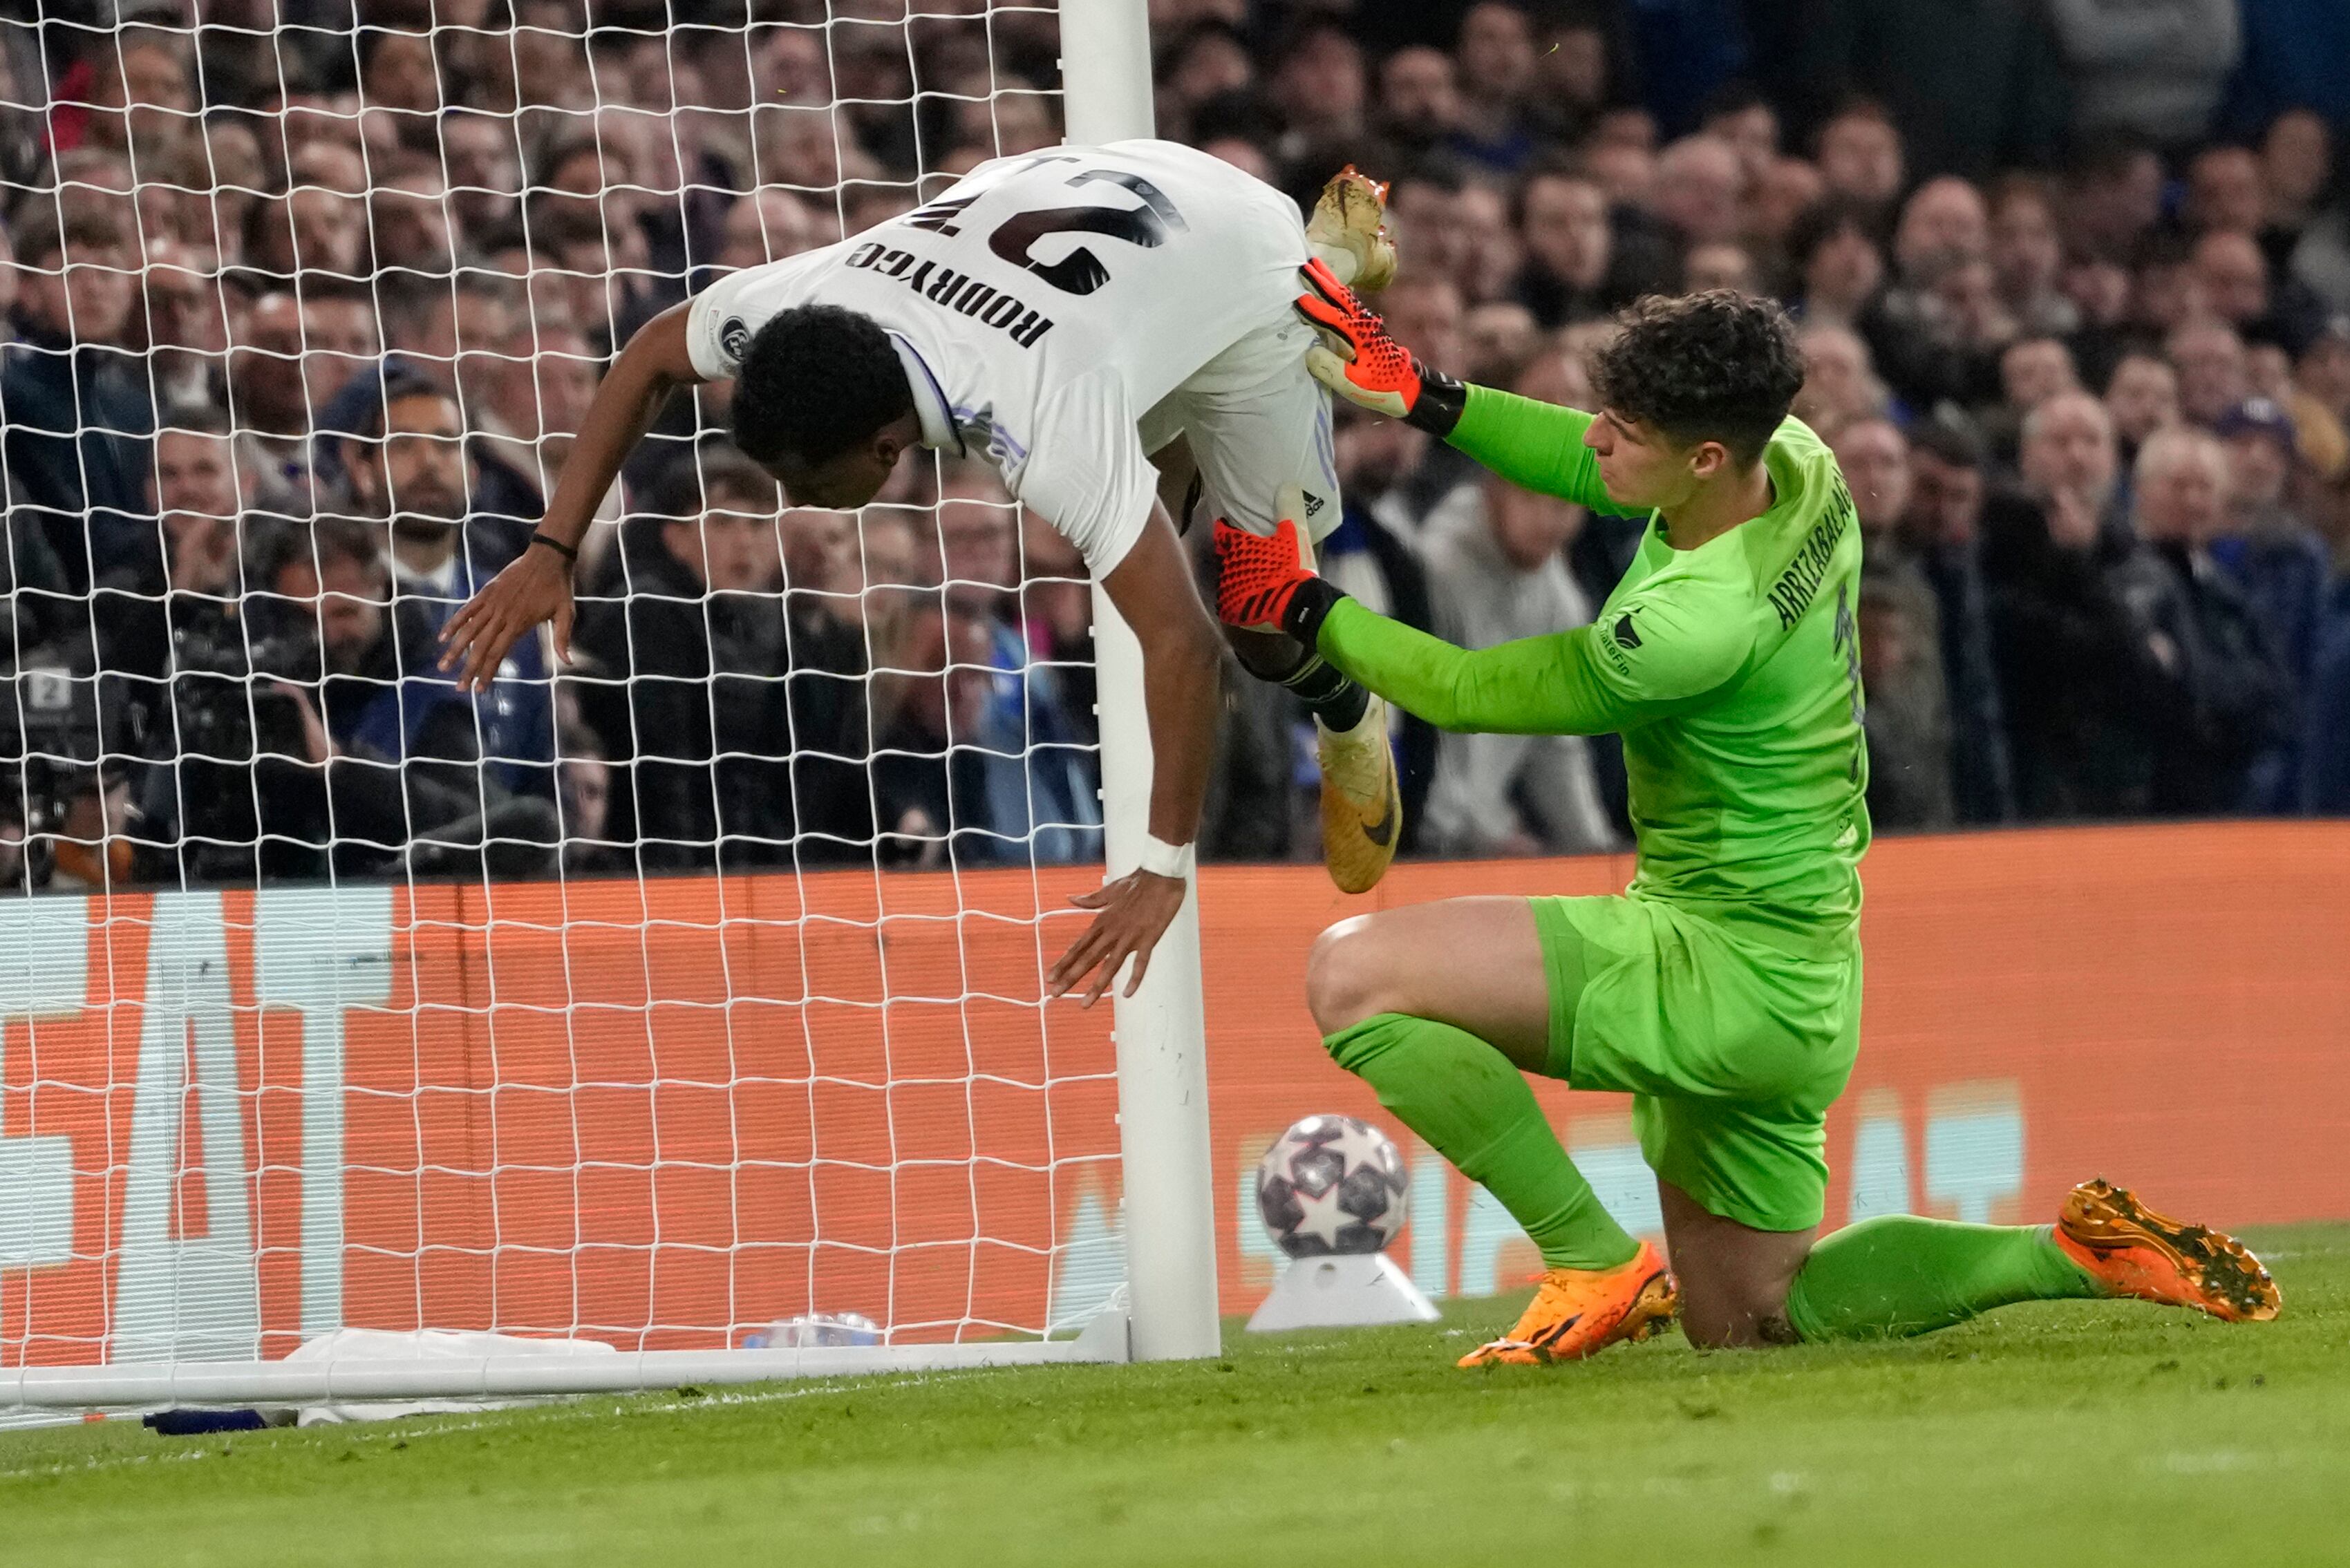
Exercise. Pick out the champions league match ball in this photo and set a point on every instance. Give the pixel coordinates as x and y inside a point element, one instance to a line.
<point>1332,1185</point>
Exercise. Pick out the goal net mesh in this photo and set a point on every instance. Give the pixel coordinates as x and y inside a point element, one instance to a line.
<point>672,997</point>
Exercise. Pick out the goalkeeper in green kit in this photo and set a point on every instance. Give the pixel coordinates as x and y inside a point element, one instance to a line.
<point>1722,989</point>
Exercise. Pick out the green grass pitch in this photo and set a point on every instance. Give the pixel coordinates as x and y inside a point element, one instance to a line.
<point>2066,1433</point>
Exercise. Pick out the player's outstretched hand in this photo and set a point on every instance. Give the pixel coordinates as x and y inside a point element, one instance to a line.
<point>1265,585</point>
<point>1358,361</point>
<point>1133,914</point>
<point>1257,577</point>
<point>534,588</point>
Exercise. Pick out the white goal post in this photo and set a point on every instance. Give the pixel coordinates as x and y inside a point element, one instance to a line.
<point>303,1028</point>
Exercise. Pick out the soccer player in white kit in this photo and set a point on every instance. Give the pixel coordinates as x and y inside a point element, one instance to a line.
<point>1069,314</point>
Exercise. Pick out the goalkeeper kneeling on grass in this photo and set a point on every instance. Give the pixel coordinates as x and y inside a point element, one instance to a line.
<point>1722,989</point>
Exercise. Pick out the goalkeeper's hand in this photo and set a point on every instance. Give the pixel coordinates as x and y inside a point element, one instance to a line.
<point>1358,361</point>
<point>1265,585</point>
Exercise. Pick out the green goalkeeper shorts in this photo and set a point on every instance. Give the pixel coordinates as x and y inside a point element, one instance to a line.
<point>1734,1048</point>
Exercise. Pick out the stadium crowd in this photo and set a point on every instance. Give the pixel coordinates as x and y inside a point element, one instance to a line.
<point>305,302</point>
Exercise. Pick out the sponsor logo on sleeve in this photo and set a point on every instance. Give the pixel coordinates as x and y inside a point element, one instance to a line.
<point>1626,635</point>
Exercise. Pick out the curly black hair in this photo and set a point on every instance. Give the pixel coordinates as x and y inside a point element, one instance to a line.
<point>1716,366</point>
<point>815,381</point>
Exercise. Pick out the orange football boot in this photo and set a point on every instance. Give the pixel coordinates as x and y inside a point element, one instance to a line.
<point>1581,1312</point>
<point>2135,1252</point>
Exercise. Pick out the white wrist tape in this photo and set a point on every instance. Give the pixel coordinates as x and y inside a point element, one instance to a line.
<point>1162,858</point>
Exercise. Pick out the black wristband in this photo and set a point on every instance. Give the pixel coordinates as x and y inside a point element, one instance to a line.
<point>1312,601</point>
<point>1439,404</point>
<point>568,552</point>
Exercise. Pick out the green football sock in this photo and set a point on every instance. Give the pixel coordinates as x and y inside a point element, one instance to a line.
<point>1897,1275</point>
<point>1471,1104</point>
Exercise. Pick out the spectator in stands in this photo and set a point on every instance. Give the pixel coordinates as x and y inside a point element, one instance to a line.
<point>2027,257</point>
<point>1700,191</point>
<point>2308,233</point>
<point>400,444</point>
<point>1490,256</point>
<point>1575,62</point>
<point>1056,614</point>
<point>74,400</point>
<point>2213,379</point>
<point>408,218</point>
<point>1036,765</point>
<point>584,789</point>
<point>1937,332</point>
<point>2271,553</point>
<point>484,160</point>
<point>2232,275</point>
<point>1320,86</point>
<point>1496,57</point>
<point>1840,382</point>
<point>338,339</point>
<point>699,727</point>
<point>2113,197</point>
<point>183,578</point>
<point>2076,668</point>
<point>1744,118</point>
<point>826,648</point>
<point>1861,158</point>
<point>768,224</point>
<point>1497,570</point>
<point>931,781</point>
<point>1908,709</point>
<point>1943,531</point>
<point>2225,190</point>
<point>2224,697</point>
<point>1778,197</point>
<point>2030,372</point>
<point>2140,399</point>
<point>1425,312</point>
<point>1419,106</point>
<point>1569,248</point>
<point>269,401</point>
<point>187,324</point>
<point>1834,264</point>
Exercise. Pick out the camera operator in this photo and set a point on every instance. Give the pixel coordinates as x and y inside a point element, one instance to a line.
<point>326,589</point>
<point>187,687</point>
<point>184,575</point>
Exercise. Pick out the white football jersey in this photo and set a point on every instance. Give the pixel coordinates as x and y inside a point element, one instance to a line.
<point>1045,303</point>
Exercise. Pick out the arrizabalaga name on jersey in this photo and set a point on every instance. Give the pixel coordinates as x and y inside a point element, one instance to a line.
<point>1792,594</point>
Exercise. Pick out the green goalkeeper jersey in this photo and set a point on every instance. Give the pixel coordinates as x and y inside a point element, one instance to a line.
<point>1731,670</point>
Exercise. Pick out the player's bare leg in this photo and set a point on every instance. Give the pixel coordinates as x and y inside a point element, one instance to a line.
<point>1439,1007</point>
<point>1734,1278</point>
<point>1473,963</point>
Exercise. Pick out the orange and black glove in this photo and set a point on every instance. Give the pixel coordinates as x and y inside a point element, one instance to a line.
<point>1263,584</point>
<point>1358,361</point>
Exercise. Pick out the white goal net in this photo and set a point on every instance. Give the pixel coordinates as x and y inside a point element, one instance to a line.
<point>687,998</point>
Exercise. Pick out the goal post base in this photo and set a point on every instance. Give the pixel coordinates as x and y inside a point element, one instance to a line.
<point>198,1383</point>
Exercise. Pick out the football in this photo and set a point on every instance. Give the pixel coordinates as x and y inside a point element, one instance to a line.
<point>1332,1184</point>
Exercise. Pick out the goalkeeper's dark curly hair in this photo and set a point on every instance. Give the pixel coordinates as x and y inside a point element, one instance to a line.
<point>1716,366</point>
<point>815,381</point>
